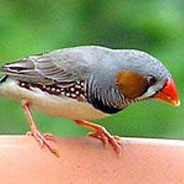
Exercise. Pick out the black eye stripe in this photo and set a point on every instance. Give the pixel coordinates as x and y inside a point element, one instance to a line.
<point>151,80</point>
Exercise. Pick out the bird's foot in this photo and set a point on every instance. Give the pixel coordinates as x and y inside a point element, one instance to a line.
<point>43,140</point>
<point>106,138</point>
<point>103,135</point>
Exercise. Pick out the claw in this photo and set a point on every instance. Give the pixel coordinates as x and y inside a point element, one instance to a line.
<point>119,141</point>
<point>43,140</point>
<point>49,137</point>
<point>103,135</point>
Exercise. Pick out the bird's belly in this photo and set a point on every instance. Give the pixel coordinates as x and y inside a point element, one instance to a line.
<point>58,106</point>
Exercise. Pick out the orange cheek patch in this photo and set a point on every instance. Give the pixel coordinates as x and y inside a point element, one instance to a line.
<point>131,84</point>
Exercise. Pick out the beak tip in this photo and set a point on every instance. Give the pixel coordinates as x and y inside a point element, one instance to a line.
<point>169,94</point>
<point>177,103</point>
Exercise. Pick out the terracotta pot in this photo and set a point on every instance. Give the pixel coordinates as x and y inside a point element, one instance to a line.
<point>86,161</point>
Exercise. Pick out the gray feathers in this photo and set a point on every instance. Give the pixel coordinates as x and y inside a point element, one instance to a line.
<point>142,63</point>
<point>97,66</point>
<point>102,95</point>
<point>61,66</point>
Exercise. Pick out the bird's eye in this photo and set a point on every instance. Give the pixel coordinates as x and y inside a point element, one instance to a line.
<point>151,80</point>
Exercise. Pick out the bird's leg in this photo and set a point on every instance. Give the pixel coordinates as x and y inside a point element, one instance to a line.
<point>43,139</point>
<point>102,134</point>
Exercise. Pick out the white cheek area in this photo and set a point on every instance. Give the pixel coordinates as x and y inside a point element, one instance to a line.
<point>58,106</point>
<point>152,90</point>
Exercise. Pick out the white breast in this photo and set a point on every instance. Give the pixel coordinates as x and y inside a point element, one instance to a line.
<point>50,104</point>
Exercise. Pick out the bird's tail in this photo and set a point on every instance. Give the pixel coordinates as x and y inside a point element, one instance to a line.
<point>20,70</point>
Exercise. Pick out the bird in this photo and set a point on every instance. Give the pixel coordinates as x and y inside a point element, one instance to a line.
<point>85,83</point>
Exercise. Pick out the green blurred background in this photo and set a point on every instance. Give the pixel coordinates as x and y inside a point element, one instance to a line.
<point>30,27</point>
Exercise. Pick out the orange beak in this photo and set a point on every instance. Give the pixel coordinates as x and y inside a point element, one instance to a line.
<point>169,94</point>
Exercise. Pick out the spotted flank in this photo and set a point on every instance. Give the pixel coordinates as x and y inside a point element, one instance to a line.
<point>76,91</point>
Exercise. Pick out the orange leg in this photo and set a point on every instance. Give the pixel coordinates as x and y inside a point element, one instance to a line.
<point>102,134</point>
<point>43,139</point>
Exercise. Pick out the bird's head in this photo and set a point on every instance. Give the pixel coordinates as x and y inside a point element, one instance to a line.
<point>143,77</point>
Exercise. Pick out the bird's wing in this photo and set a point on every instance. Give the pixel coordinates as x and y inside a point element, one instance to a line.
<point>59,68</point>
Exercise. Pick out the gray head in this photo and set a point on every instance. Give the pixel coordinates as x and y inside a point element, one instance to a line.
<point>129,76</point>
<point>141,76</point>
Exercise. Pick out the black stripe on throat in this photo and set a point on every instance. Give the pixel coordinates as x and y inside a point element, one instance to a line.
<point>98,104</point>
